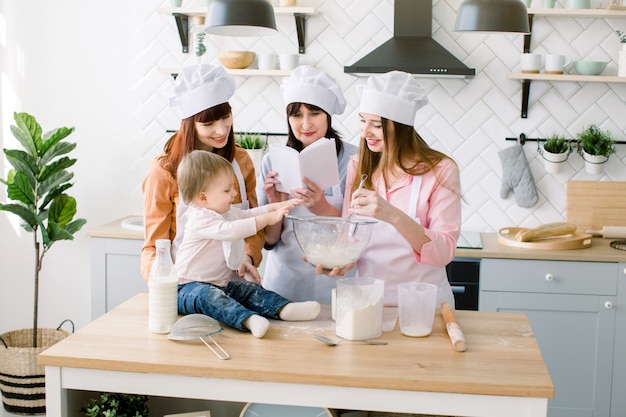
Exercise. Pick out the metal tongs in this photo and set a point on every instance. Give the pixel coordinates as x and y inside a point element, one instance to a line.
<point>198,326</point>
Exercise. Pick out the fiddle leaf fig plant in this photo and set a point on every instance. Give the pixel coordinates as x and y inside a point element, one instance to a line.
<point>37,185</point>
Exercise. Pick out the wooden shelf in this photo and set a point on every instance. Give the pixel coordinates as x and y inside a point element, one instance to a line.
<point>248,72</point>
<point>181,15</point>
<point>594,13</point>
<point>561,12</point>
<point>569,77</point>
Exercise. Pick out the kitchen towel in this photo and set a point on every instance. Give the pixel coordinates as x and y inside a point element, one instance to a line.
<point>516,177</point>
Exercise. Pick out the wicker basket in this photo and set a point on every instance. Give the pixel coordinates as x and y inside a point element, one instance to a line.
<point>22,379</point>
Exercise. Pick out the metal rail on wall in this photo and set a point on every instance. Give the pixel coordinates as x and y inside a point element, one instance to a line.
<point>523,139</point>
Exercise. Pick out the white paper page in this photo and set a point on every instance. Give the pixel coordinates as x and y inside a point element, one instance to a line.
<point>286,162</point>
<point>318,162</point>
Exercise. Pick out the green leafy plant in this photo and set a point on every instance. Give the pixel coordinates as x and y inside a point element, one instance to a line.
<point>37,184</point>
<point>622,36</point>
<point>250,140</point>
<point>596,142</point>
<point>556,144</point>
<point>116,405</point>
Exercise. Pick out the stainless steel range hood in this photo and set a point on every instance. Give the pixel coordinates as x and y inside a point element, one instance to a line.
<point>412,48</point>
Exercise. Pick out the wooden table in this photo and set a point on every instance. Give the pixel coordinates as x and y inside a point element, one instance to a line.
<point>501,373</point>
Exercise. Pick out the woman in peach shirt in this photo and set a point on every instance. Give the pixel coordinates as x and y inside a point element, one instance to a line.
<point>200,95</point>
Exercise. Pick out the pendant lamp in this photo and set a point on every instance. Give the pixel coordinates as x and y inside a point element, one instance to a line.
<point>492,16</point>
<point>241,18</point>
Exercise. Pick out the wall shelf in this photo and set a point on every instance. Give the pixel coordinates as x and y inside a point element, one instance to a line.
<point>558,12</point>
<point>181,16</point>
<point>248,72</point>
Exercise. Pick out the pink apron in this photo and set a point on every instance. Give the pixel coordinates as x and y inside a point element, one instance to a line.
<point>389,257</point>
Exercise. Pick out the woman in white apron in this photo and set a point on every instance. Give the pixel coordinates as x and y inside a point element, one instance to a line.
<point>311,98</point>
<point>414,191</point>
<point>200,95</point>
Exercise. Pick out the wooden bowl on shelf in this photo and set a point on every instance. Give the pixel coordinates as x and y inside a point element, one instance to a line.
<point>236,59</point>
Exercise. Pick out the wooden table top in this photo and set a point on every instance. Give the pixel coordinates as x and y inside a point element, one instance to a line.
<point>502,357</point>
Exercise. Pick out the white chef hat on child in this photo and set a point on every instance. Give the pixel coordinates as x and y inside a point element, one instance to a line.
<point>312,86</point>
<point>395,95</point>
<point>200,87</point>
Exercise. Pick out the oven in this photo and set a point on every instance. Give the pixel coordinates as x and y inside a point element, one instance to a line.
<point>463,276</point>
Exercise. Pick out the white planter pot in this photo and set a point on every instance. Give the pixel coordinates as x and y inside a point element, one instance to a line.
<point>594,164</point>
<point>257,156</point>
<point>553,162</point>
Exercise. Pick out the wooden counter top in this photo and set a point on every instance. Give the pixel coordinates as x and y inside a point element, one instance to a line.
<point>116,231</point>
<point>600,251</point>
<point>502,357</point>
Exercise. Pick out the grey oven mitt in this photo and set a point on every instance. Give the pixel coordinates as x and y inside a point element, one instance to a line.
<point>516,176</point>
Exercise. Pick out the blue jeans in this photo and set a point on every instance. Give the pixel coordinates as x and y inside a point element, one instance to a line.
<point>231,304</point>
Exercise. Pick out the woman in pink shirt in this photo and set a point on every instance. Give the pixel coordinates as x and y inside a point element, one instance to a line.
<point>413,190</point>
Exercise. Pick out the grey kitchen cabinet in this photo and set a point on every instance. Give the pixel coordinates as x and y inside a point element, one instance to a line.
<point>115,272</point>
<point>572,309</point>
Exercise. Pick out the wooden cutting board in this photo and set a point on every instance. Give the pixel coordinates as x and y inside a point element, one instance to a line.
<point>593,204</point>
<point>506,236</point>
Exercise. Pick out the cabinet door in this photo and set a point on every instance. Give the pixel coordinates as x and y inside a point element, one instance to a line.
<point>115,273</point>
<point>618,399</point>
<point>575,335</point>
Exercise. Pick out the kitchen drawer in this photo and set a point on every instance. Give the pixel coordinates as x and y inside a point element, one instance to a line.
<point>558,277</point>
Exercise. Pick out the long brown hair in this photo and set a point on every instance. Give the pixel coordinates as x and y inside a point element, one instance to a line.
<point>183,141</point>
<point>295,143</point>
<point>403,148</point>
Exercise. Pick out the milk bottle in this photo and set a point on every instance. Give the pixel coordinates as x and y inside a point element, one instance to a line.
<point>162,290</point>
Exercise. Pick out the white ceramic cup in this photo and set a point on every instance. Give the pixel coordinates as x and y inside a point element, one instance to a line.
<point>267,61</point>
<point>416,308</point>
<point>555,63</point>
<point>288,61</point>
<point>531,63</point>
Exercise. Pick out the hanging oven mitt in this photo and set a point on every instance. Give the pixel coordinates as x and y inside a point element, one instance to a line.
<point>516,176</point>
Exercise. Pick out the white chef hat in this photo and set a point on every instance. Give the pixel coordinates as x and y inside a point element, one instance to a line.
<point>200,87</point>
<point>312,86</point>
<point>395,95</point>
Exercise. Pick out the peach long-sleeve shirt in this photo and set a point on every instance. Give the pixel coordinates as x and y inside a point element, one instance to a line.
<point>160,190</point>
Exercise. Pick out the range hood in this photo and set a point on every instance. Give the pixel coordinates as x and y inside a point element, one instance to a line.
<point>412,48</point>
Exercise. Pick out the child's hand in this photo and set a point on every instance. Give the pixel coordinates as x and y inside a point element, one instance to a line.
<point>288,204</point>
<point>277,215</point>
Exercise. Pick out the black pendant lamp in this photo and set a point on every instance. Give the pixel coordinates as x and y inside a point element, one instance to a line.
<point>492,16</point>
<point>241,18</point>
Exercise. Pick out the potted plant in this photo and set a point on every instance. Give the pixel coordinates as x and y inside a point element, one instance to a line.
<point>555,151</point>
<point>255,145</point>
<point>37,185</point>
<point>109,404</point>
<point>595,147</point>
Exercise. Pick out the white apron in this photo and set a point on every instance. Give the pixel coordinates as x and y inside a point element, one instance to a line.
<point>182,208</point>
<point>389,257</point>
<point>286,273</point>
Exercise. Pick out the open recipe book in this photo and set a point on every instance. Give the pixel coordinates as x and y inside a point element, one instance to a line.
<point>317,162</point>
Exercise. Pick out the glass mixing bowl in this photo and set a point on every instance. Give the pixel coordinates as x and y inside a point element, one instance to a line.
<point>332,241</point>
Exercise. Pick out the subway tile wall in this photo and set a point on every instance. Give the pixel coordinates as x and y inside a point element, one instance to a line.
<point>469,119</point>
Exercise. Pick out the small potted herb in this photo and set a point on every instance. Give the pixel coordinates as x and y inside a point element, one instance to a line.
<point>595,146</point>
<point>255,144</point>
<point>555,151</point>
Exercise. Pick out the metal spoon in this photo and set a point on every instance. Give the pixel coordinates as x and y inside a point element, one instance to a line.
<point>331,342</point>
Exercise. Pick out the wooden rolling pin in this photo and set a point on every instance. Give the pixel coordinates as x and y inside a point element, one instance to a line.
<point>610,232</point>
<point>452,326</point>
